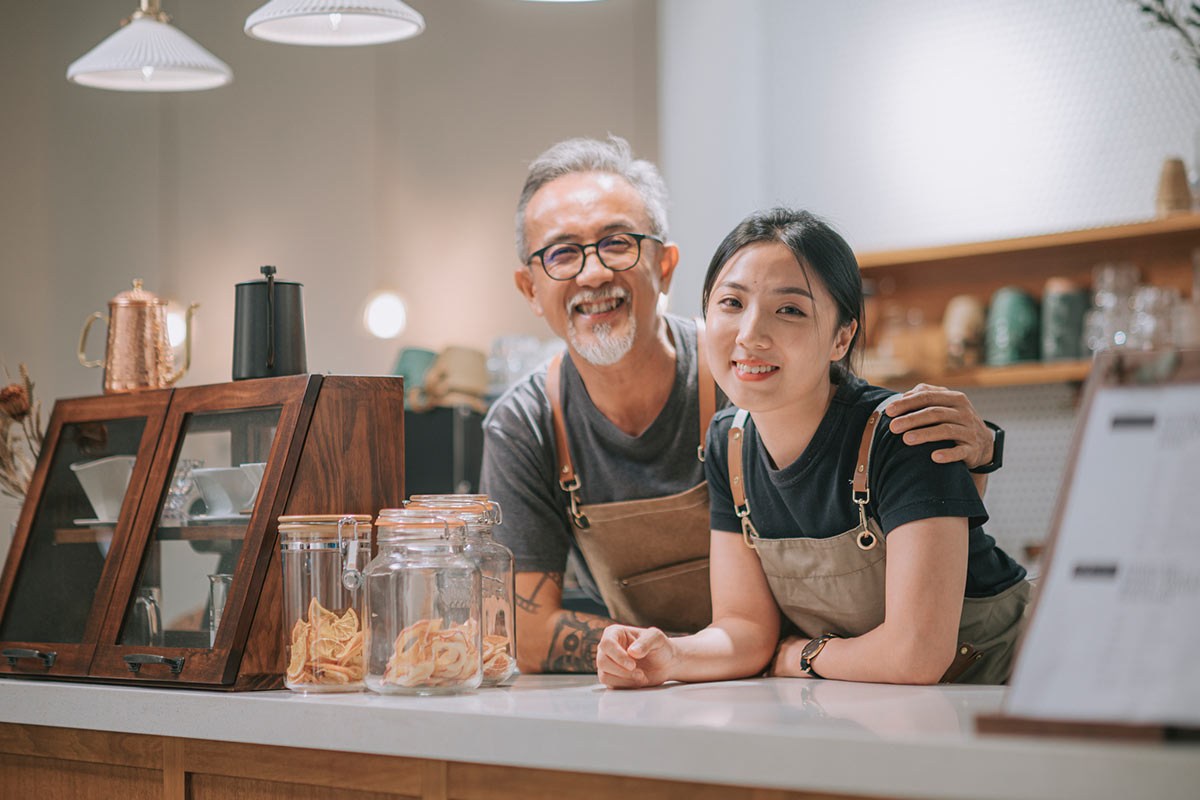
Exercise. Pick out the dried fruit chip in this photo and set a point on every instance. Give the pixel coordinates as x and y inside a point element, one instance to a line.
<point>428,656</point>
<point>326,648</point>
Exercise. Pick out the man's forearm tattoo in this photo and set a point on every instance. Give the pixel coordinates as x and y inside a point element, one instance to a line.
<point>573,646</point>
<point>530,603</point>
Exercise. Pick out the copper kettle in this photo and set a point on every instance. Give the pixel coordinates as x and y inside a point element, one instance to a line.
<point>138,355</point>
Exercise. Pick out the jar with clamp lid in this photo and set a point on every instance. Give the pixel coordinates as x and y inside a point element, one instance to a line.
<point>496,574</point>
<point>323,560</point>
<point>423,607</point>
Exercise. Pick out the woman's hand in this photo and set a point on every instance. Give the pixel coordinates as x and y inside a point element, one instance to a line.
<point>633,658</point>
<point>928,413</point>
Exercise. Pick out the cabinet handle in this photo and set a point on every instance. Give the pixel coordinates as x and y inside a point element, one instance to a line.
<point>135,661</point>
<point>13,653</point>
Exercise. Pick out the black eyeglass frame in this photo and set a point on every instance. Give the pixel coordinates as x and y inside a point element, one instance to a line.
<point>583,248</point>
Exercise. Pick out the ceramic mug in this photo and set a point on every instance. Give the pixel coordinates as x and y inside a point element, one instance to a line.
<point>963,323</point>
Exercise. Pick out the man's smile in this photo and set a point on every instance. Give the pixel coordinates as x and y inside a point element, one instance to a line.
<point>596,302</point>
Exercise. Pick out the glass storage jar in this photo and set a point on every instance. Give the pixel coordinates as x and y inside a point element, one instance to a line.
<point>323,561</point>
<point>495,563</point>
<point>423,607</point>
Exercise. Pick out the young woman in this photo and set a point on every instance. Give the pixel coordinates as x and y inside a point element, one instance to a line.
<point>863,551</point>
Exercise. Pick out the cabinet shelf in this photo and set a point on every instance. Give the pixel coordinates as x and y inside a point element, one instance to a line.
<point>191,533</point>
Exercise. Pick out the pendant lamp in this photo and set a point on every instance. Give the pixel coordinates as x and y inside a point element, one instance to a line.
<point>334,23</point>
<point>148,54</point>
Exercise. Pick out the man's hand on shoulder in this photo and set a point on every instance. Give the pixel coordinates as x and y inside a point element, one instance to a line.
<point>550,638</point>
<point>928,413</point>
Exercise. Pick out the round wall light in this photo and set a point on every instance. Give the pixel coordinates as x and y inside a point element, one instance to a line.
<point>385,314</point>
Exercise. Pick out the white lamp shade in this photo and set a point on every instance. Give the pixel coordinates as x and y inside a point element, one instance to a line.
<point>149,56</point>
<point>331,23</point>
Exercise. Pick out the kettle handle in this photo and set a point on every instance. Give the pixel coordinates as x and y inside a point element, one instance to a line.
<point>83,341</point>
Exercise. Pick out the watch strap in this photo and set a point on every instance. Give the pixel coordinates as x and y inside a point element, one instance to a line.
<point>997,451</point>
<point>811,651</point>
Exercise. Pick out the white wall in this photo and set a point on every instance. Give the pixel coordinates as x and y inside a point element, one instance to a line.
<point>347,168</point>
<point>924,122</point>
<point>915,123</point>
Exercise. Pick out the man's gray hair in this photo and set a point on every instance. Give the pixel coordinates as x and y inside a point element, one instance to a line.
<point>592,155</point>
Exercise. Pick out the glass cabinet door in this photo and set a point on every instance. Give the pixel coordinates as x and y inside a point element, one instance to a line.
<point>188,566</point>
<point>78,513</point>
<point>199,545</point>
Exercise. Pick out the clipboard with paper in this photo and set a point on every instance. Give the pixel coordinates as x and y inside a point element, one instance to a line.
<point>1113,646</point>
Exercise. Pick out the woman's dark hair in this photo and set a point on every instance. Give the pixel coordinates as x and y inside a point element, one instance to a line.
<point>816,246</point>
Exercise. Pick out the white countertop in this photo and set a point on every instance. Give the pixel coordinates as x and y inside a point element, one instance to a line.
<point>898,741</point>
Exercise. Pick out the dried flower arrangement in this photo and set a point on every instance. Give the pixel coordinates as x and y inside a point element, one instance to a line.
<point>1183,21</point>
<point>20,434</point>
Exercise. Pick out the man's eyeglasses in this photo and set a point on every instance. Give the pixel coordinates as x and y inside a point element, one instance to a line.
<point>618,252</point>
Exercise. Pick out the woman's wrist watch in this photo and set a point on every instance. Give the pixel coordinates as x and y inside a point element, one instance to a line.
<point>811,651</point>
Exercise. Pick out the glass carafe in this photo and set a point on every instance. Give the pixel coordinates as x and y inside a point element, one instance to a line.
<point>323,561</point>
<point>495,563</point>
<point>423,607</point>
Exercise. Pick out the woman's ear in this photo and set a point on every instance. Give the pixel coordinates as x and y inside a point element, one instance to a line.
<point>842,340</point>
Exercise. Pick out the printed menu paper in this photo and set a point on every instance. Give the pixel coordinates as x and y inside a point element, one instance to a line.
<point>1116,633</point>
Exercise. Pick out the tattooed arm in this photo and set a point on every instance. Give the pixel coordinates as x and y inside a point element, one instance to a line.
<point>550,638</point>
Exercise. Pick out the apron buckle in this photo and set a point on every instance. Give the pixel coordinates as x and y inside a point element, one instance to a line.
<point>749,534</point>
<point>866,539</point>
<point>578,517</point>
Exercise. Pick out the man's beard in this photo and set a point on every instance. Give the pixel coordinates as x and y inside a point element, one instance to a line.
<point>605,348</point>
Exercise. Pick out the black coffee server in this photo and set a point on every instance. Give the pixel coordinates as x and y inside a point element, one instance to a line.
<point>268,328</point>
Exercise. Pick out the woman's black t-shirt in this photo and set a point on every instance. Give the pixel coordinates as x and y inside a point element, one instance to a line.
<point>811,498</point>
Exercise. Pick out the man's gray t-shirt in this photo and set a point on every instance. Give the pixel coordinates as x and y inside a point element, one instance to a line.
<point>520,467</point>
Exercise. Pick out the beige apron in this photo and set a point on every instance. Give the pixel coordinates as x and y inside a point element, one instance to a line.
<point>649,557</point>
<point>836,585</point>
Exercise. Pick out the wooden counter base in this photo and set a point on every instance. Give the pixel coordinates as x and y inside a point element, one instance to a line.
<point>38,761</point>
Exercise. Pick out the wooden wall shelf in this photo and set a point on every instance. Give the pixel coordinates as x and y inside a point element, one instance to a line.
<point>927,278</point>
<point>1180,225</point>
<point>1028,374</point>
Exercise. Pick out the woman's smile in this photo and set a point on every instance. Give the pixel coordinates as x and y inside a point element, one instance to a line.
<point>753,369</point>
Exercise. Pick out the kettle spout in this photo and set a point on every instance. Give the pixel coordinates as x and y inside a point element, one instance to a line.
<point>187,346</point>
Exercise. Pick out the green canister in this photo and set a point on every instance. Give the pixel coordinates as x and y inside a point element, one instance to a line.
<point>1012,327</point>
<point>1064,304</point>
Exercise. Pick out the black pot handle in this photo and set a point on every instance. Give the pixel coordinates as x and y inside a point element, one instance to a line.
<point>270,273</point>
<point>135,661</point>
<point>13,653</point>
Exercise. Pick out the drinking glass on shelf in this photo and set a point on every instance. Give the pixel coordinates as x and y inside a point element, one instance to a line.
<point>146,620</point>
<point>1150,327</point>
<point>182,491</point>
<point>218,593</point>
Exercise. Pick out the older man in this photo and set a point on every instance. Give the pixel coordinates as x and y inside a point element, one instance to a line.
<point>596,455</point>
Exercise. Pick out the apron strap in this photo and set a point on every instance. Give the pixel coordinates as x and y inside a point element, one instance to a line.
<point>568,481</point>
<point>862,468</point>
<point>707,387</point>
<point>861,489</point>
<point>737,483</point>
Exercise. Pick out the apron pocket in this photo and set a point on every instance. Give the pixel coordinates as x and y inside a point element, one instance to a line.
<point>678,594</point>
<point>993,625</point>
<point>661,573</point>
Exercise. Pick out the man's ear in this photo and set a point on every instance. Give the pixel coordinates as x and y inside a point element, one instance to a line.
<point>842,340</point>
<point>524,281</point>
<point>666,265</point>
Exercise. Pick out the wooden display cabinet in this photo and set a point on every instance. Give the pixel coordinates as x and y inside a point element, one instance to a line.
<point>128,599</point>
